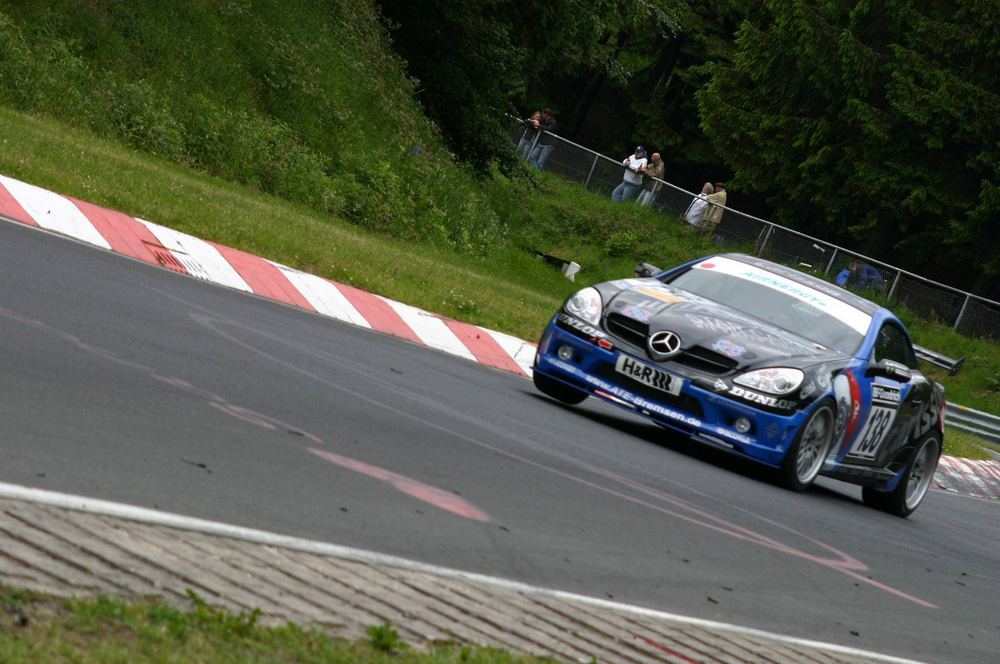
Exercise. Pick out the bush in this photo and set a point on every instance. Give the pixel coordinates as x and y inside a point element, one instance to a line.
<point>305,103</point>
<point>621,244</point>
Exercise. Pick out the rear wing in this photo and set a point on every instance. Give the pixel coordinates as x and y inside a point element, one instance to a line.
<point>928,355</point>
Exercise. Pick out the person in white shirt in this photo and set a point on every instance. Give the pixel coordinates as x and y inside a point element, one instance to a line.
<point>696,210</point>
<point>634,164</point>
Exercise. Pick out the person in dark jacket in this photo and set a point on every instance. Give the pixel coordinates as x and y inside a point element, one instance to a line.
<point>546,143</point>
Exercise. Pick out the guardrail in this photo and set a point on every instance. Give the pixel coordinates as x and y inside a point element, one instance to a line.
<point>968,314</point>
<point>973,421</point>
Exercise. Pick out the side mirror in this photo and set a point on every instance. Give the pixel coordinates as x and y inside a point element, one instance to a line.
<point>646,270</point>
<point>890,369</point>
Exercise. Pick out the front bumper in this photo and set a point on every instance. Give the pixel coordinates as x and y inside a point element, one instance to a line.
<point>704,414</point>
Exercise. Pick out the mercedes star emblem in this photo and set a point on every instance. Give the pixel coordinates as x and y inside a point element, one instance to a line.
<point>664,344</point>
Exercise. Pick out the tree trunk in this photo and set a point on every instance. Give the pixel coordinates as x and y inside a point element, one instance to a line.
<point>583,103</point>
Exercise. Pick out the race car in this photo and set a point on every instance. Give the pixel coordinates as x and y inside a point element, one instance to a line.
<point>763,361</point>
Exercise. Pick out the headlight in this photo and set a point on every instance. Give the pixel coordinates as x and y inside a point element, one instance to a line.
<point>779,380</point>
<point>586,304</point>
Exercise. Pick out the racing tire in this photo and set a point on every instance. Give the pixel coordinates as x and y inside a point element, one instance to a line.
<point>804,459</point>
<point>557,390</point>
<point>911,489</point>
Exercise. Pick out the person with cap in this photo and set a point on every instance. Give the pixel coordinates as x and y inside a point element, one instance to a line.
<point>634,165</point>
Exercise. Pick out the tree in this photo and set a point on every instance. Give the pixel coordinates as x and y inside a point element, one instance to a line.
<point>466,68</point>
<point>873,120</point>
<point>474,60</point>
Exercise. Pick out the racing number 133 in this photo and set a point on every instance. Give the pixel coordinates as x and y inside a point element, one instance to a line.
<point>870,439</point>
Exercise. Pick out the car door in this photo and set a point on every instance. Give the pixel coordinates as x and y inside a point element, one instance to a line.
<point>893,403</point>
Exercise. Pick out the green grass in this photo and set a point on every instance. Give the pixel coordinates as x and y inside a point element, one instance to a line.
<point>38,629</point>
<point>508,290</point>
<point>961,444</point>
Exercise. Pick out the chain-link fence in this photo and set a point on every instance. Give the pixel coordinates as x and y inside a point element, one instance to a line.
<point>966,313</point>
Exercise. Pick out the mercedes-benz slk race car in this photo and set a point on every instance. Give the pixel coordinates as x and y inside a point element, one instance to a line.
<point>760,360</point>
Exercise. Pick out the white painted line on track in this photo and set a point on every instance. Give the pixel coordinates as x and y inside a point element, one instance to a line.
<point>430,329</point>
<point>324,296</point>
<point>54,212</point>
<point>155,517</point>
<point>197,256</point>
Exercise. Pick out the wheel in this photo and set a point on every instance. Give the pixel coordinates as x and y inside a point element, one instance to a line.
<point>804,460</point>
<point>910,492</point>
<point>558,391</point>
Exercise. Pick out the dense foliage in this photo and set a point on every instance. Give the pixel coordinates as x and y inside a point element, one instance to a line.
<point>472,60</point>
<point>867,122</point>
<point>871,123</point>
<point>302,100</point>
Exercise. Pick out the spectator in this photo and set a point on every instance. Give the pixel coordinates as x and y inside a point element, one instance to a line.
<point>634,164</point>
<point>714,213</point>
<point>546,143</point>
<point>696,210</point>
<point>650,187</point>
<point>860,276</point>
<point>530,131</point>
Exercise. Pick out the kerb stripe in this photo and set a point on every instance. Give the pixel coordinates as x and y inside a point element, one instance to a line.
<point>10,208</point>
<point>53,212</point>
<point>263,277</point>
<point>484,347</point>
<point>430,329</point>
<point>124,234</point>
<point>378,313</point>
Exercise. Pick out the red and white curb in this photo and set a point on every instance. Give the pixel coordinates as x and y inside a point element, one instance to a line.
<point>971,477</point>
<point>183,253</point>
<point>144,240</point>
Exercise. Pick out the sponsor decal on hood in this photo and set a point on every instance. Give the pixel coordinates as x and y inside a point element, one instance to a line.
<point>637,313</point>
<point>661,294</point>
<point>728,348</point>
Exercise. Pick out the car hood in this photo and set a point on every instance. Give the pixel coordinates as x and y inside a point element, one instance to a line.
<point>646,306</point>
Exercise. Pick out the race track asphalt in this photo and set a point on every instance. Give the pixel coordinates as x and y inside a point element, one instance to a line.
<point>125,382</point>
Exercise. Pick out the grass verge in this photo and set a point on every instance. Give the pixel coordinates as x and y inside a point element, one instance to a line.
<point>507,290</point>
<point>961,444</point>
<point>39,629</point>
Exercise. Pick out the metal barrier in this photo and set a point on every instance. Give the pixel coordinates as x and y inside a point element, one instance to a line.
<point>972,421</point>
<point>968,314</point>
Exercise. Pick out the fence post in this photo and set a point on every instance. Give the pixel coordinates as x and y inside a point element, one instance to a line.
<point>586,185</point>
<point>767,236</point>
<point>829,266</point>
<point>961,312</point>
<point>895,282</point>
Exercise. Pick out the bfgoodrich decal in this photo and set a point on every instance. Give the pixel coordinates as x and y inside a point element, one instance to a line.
<point>885,393</point>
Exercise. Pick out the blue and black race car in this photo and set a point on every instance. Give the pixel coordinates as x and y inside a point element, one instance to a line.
<point>763,361</point>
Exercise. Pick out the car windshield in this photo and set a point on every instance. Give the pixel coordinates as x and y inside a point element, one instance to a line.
<point>780,301</point>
